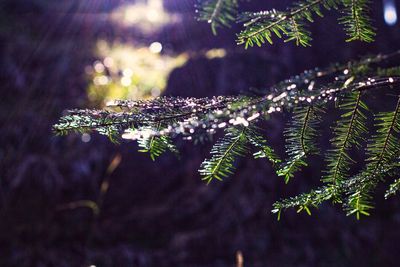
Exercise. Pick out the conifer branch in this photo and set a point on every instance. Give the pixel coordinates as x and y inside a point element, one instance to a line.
<point>218,13</point>
<point>259,142</point>
<point>301,139</point>
<point>383,149</point>
<point>393,188</point>
<point>389,147</point>
<point>348,133</point>
<point>234,144</point>
<point>155,145</point>
<point>305,201</point>
<point>314,198</point>
<point>260,26</point>
<point>153,123</point>
<point>356,20</point>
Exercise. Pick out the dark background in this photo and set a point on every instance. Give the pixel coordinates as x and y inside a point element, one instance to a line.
<point>160,213</point>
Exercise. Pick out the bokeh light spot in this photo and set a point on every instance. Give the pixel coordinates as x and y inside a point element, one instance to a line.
<point>155,47</point>
<point>390,12</point>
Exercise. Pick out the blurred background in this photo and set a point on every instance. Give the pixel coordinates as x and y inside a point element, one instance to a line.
<point>81,201</point>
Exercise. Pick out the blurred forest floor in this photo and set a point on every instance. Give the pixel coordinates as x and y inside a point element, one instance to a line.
<point>74,201</point>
